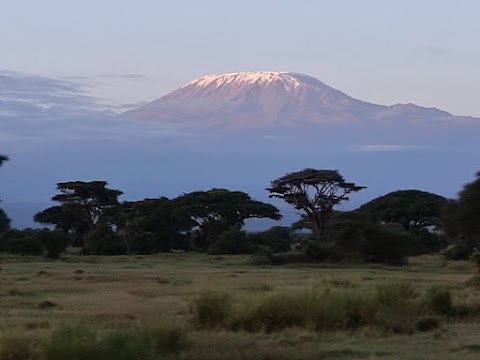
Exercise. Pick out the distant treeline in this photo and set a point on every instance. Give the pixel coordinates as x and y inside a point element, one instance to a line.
<point>90,218</point>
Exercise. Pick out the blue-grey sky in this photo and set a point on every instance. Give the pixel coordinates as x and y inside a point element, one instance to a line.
<point>421,51</point>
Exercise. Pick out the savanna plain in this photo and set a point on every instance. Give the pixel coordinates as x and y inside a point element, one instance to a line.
<point>194,306</point>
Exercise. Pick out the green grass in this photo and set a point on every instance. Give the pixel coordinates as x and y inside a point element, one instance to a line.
<point>211,307</point>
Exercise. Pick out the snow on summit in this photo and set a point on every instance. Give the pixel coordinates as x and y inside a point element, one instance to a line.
<point>242,78</point>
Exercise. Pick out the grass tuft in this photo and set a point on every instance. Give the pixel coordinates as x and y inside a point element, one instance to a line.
<point>81,343</point>
<point>211,309</point>
<point>16,348</point>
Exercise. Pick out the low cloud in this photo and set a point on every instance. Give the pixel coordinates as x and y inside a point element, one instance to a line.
<point>134,77</point>
<point>437,50</point>
<point>388,147</point>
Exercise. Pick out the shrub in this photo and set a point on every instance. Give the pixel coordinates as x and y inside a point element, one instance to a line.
<point>211,309</point>
<point>440,299</point>
<point>23,242</point>
<point>277,238</point>
<point>231,241</point>
<point>458,251</point>
<point>103,241</point>
<point>54,242</point>
<point>143,243</point>
<point>387,245</point>
<point>319,251</point>
<point>427,323</point>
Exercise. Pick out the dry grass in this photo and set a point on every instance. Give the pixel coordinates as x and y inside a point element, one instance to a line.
<point>128,292</point>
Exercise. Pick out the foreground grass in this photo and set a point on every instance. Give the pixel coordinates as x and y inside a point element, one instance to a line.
<point>299,311</point>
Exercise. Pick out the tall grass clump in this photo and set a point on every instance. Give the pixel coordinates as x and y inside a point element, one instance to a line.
<point>81,343</point>
<point>392,307</point>
<point>395,294</point>
<point>398,307</point>
<point>269,313</point>
<point>16,348</point>
<point>211,309</point>
<point>316,309</point>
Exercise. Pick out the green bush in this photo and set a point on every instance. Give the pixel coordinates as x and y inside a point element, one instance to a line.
<point>211,309</point>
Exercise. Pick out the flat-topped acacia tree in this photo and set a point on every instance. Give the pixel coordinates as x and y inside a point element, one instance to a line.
<point>3,158</point>
<point>4,220</point>
<point>82,205</point>
<point>316,192</point>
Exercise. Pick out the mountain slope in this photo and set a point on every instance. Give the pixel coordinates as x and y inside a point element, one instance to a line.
<point>271,99</point>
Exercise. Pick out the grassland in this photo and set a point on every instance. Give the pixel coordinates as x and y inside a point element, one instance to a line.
<point>40,299</point>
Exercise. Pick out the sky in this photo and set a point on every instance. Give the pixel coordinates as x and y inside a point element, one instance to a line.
<point>125,51</point>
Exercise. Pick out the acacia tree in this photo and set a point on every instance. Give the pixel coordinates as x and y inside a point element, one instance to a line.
<point>215,210</point>
<point>461,217</point>
<point>316,192</point>
<point>412,209</point>
<point>3,158</point>
<point>4,220</point>
<point>82,205</point>
<point>151,225</point>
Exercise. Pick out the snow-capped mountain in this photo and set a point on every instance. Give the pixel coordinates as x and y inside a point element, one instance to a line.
<point>270,99</point>
<point>237,131</point>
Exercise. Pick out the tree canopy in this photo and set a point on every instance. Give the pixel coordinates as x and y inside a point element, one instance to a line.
<point>157,219</point>
<point>4,220</point>
<point>316,192</point>
<point>215,210</point>
<point>3,158</point>
<point>82,205</point>
<point>461,218</point>
<point>409,208</point>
